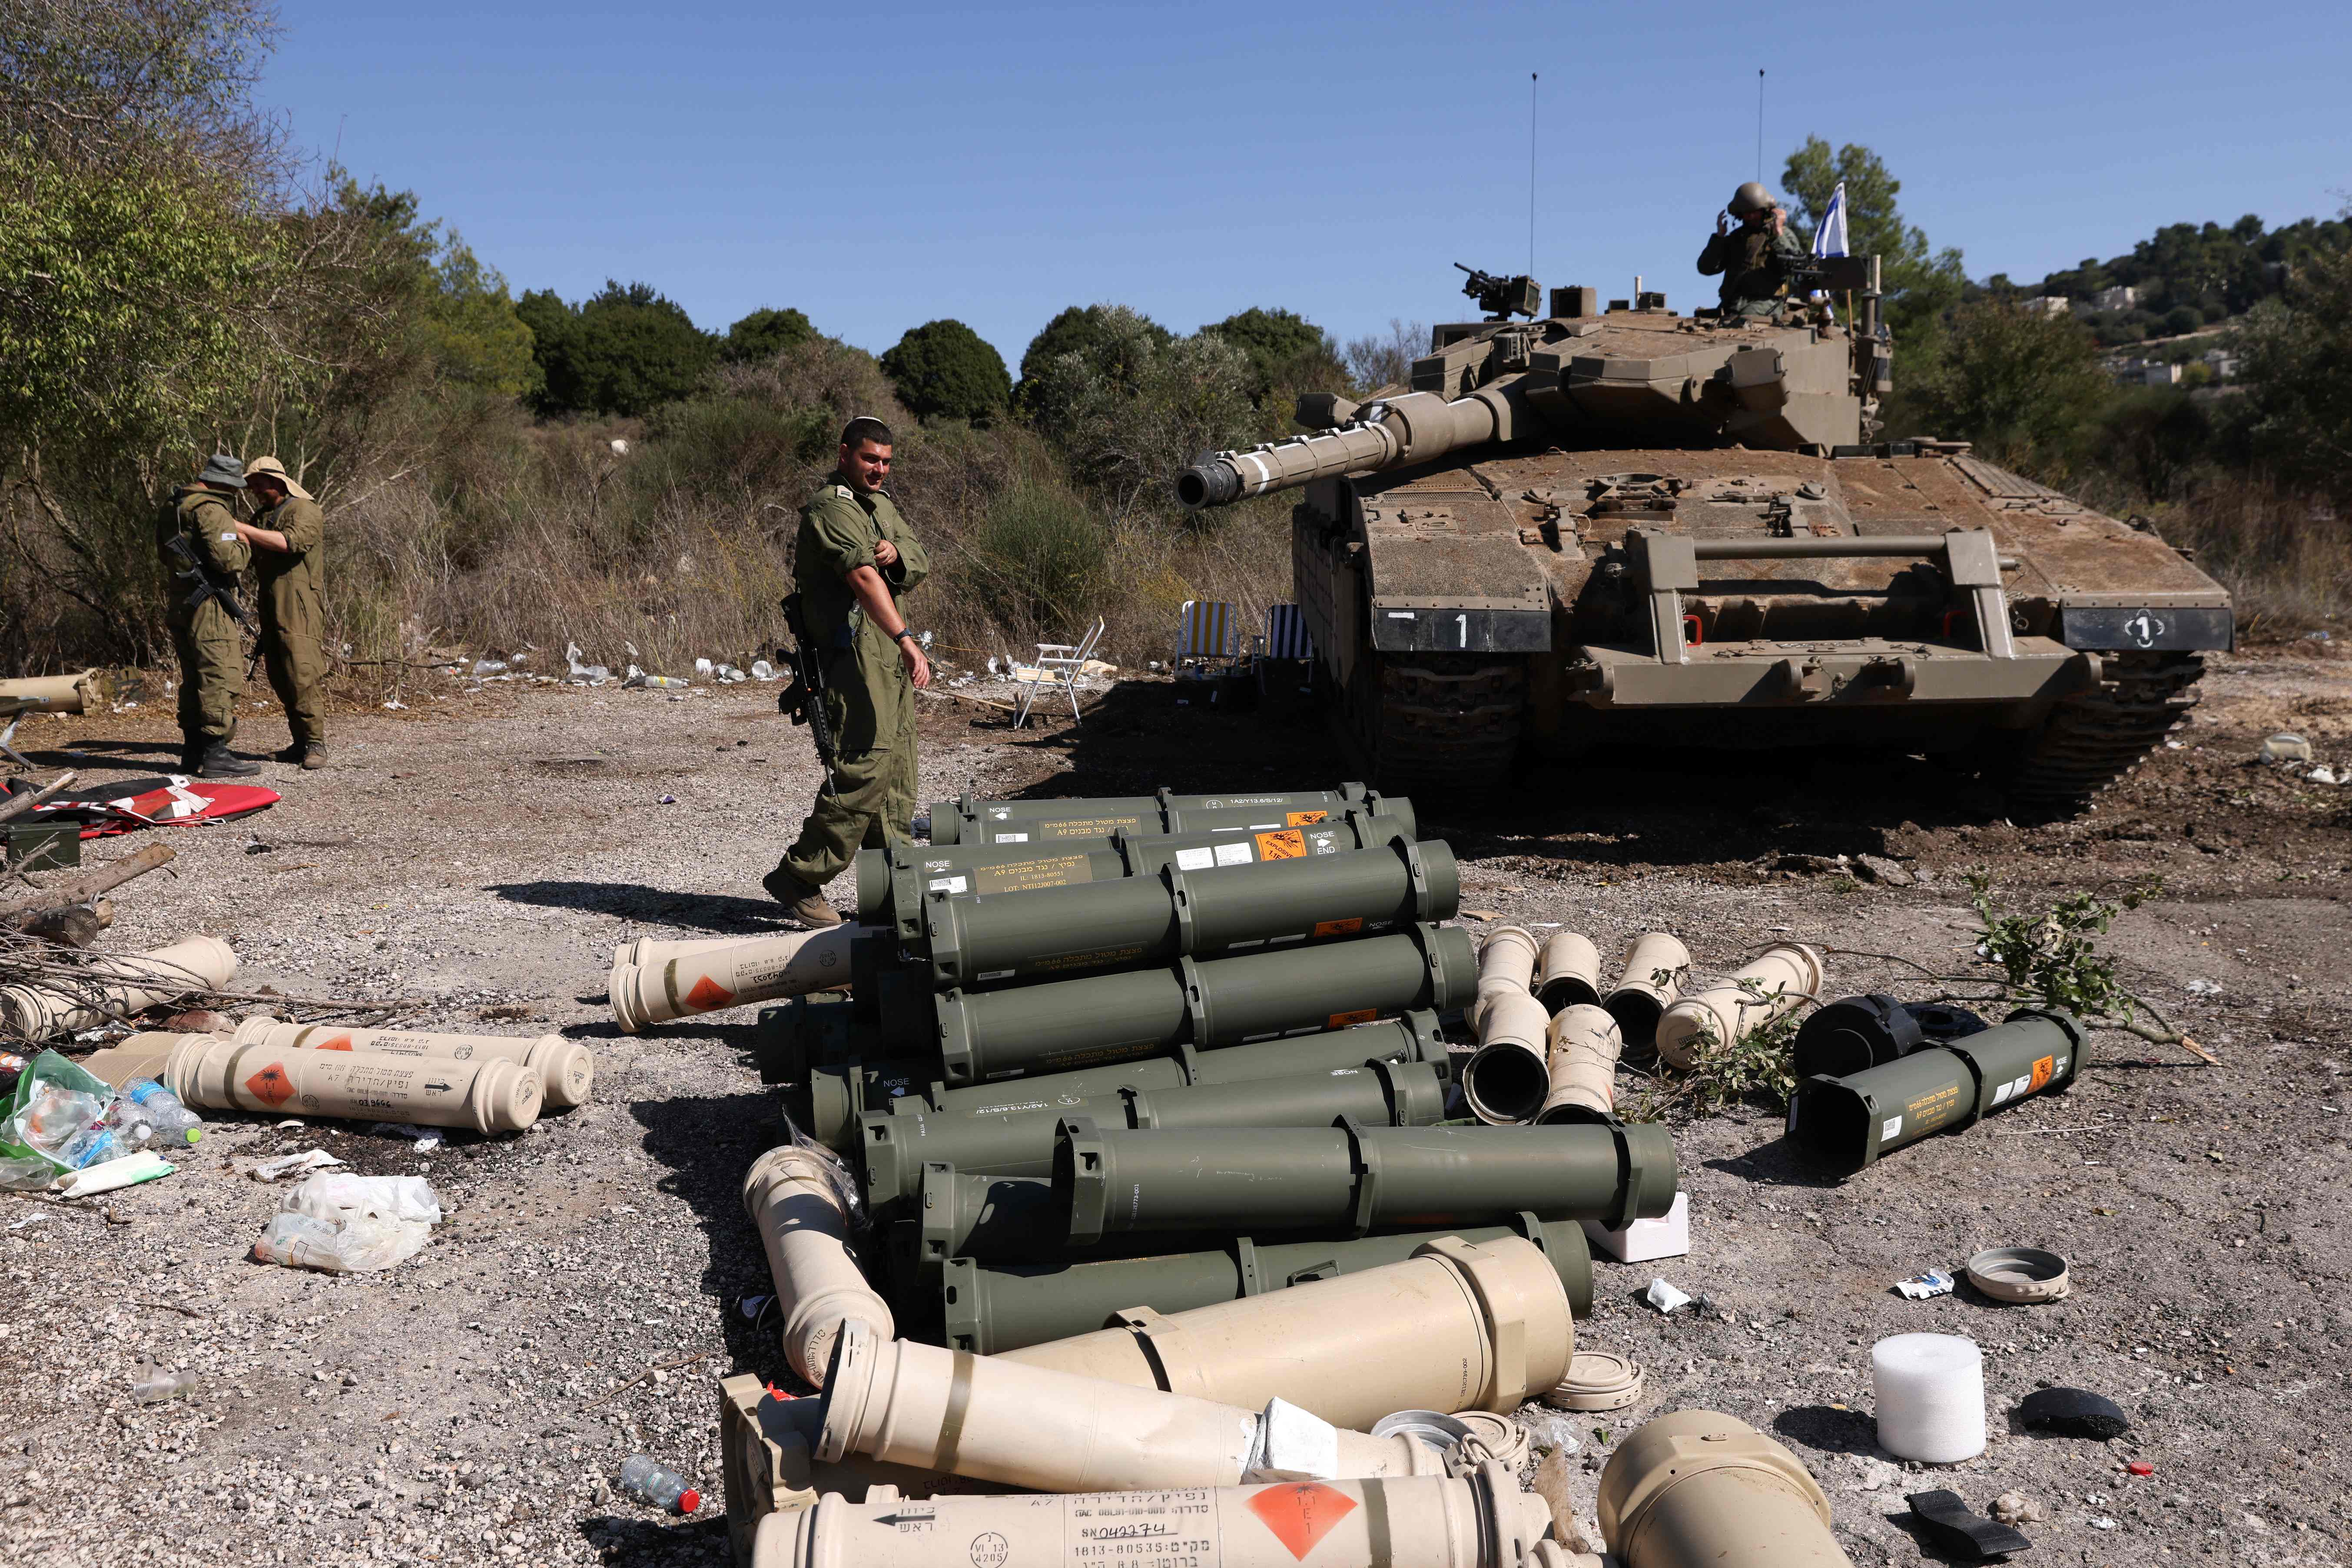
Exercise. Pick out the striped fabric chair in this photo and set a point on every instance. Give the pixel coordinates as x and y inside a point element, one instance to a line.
<point>1208,631</point>
<point>1285,634</point>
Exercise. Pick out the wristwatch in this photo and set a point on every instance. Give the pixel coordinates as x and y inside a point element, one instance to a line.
<point>901,635</point>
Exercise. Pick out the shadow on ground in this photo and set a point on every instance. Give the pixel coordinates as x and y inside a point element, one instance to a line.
<point>721,914</point>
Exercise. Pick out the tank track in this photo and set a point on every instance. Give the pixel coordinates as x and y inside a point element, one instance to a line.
<point>2093,739</point>
<point>1439,724</point>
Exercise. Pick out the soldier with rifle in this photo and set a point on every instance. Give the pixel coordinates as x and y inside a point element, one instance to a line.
<point>854,562</point>
<point>203,548</point>
<point>288,537</point>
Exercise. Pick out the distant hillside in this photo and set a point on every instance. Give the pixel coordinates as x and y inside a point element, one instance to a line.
<point>2183,277</point>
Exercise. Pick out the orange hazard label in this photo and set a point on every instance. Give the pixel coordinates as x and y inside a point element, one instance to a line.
<point>1339,928</point>
<point>708,995</point>
<point>1360,1015</point>
<point>2041,1070</point>
<point>1305,818</point>
<point>270,1086</point>
<point>1302,1514</point>
<point>1288,844</point>
<point>340,1043</point>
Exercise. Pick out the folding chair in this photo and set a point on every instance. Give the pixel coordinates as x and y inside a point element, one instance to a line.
<point>13,710</point>
<point>1207,632</point>
<point>1058,664</point>
<point>1285,638</point>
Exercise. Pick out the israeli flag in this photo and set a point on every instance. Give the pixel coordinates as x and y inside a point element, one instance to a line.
<point>1830,239</point>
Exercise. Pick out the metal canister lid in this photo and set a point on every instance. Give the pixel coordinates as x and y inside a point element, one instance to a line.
<point>2019,1274</point>
<point>1598,1380</point>
<point>1503,1437</point>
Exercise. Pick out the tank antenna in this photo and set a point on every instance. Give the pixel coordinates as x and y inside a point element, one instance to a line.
<point>1531,173</point>
<point>1760,125</point>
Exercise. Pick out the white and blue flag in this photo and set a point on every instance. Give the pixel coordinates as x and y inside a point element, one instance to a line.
<point>1829,239</point>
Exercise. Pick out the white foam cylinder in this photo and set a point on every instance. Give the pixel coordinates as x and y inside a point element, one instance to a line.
<point>1930,1396</point>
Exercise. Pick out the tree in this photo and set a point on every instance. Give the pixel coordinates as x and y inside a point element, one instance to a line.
<point>1919,283</point>
<point>1132,402</point>
<point>624,349</point>
<point>1375,361</point>
<point>944,370</point>
<point>2295,355</point>
<point>1284,350</point>
<point>1082,329</point>
<point>763,334</point>
<point>2020,385</point>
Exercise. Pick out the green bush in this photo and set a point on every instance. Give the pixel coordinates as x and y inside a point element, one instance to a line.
<point>1038,561</point>
<point>763,334</point>
<point>944,370</point>
<point>625,351</point>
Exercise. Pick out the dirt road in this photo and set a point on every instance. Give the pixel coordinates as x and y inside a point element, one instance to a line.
<point>484,851</point>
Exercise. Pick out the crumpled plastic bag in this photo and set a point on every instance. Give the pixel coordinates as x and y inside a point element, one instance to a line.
<point>342,1224</point>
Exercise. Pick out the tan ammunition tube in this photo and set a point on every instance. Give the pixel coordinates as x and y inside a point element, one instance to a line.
<point>566,1069</point>
<point>1585,1045</point>
<point>789,963</point>
<point>1480,1520</point>
<point>646,950</point>
<point>1641,997</point>
<point>1507,963</point>
<point>1694,1490</point>
<point>1770,984</point>
<point>1505,1080</point>
<point>210,1073</point>
<point>1570,973</point>
<point>1455,1327</point>
<point>789,1195</point>
<point>997,1420</point>
<point>127,983</point>
<point>54,693</point>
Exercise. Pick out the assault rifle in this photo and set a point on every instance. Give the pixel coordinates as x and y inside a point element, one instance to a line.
<point>802,700</point>
<point>207,586</point>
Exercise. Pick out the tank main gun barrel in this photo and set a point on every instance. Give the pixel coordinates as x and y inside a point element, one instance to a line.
<point>1414,427</point>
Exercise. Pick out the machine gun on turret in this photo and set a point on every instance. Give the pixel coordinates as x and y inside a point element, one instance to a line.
<point>1502,297</point>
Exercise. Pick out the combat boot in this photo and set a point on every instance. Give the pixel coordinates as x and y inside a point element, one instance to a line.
<point>801,901</point>
<point>308,753</point>
<point>219,763</point>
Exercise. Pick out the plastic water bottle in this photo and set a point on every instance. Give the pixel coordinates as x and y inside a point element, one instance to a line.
<point>157,1385</point>
<point>649,1481</point>
<point>172,1121</point>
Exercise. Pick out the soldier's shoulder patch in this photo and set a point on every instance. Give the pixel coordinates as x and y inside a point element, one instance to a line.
<point>845,493</point>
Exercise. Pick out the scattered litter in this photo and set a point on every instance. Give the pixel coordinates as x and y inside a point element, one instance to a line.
<point>2285,748</point>
<point>592,674</point>
<point>1482,914</point>
<point>1874,1475</point>
<point>1665,1298</point>
<point>703,667</point>
<point>1551,1432</point>
<point>2016,1507</point>
<point>154,1384</point>
<point>127,1171</point>
<point>2022,1274</point>
<point>2321,774</point>
<point>2139,1468</point>
<point>2203,988</point>
<point>427,1139</point>
<point>667,800</point>
<point>1960,1530</point>
<point>1646,1240</point>
<point>2316,636</point>
<point>729,675</point>
<point>2103,1524</point>
<point>2072,1413</point>
<point>655,1484</point>
<point>762,670</point>
<point>750,1308</point>
<point>351,1225</point>
<point>38,1216</point>
<point>393,704</point>
<point>1923,1286</point>
<point>489,667</point>
<point>286,1165</point>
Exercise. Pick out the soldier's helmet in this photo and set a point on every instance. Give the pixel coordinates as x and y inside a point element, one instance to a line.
<point>1750,197</point>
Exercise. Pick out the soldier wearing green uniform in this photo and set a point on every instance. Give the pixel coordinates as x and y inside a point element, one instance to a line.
<point>198,537</point>
<point>855,560</point>
<point>1753,257</point>
<point>288,537</point>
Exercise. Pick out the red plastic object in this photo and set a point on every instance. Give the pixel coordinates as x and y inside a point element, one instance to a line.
<point>2140,1467</point>
<point>1693,632</point>
<point>688,1500</point>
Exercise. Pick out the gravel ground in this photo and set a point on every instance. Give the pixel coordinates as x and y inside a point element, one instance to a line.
<point>484,851</point>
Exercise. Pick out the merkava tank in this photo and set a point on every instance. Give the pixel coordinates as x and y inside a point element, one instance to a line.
<point>1602,526</point>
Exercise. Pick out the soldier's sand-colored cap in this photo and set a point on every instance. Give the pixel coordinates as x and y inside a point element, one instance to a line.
<point>277,469</point>
<point>223,469</point>
<point>1750,197</point>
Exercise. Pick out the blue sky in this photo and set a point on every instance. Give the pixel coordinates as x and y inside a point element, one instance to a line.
<point>880,168</point>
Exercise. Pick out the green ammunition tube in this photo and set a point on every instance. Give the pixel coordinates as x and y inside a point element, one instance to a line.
<point>891,882</point>
<point>993,1307</point>
<point>834,1097</point>
<point>1134,922</point>
<point>1206,1003</point>
<point>968,821</point>
<point>1353,1178</point>
<point>897,1146</point>
<point>1848,1123</point>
